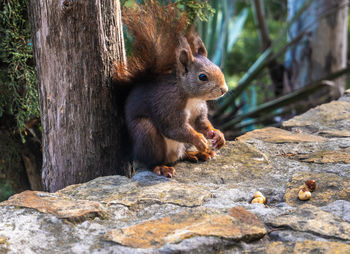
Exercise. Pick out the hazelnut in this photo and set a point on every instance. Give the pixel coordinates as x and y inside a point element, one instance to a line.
<point>3,240</point>
<point>310,184</point>
<point>304,194</point>
<point>259,200</point>
<point>258,194</point>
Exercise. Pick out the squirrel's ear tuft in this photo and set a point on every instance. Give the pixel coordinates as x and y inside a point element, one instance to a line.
<point>184,56</point>
<point>199,47</point>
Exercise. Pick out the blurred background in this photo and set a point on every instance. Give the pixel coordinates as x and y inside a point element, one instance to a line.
<point>279,57</point>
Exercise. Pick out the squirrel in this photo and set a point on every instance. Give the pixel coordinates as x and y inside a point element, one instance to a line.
<point>171,80</point>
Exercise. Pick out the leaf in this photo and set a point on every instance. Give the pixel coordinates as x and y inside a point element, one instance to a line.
<point>219,46</point>
<point>275,50</point>
<point>235,28</point>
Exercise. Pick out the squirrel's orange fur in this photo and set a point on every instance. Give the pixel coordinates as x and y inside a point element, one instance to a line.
<point>156,30</point>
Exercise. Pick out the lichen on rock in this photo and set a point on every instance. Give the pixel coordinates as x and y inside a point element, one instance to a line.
<point>237,225</point>
<point>207,206</point>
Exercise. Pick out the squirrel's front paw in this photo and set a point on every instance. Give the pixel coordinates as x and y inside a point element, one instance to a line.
<point>164,171</point>
<point>198,156</point>
<point>218,138</point>
<point>201,143</point>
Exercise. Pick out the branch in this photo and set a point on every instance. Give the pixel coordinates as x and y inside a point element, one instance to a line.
<point>287,99</point>
<point>263,61</point>
<point>261,22</point>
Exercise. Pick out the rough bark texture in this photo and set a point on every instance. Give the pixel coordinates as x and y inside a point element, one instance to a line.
<point>75,43</point>
<point>323,49</point>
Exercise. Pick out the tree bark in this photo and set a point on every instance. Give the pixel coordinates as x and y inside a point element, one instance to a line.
<point>75,43</point>
<point>323,50</point>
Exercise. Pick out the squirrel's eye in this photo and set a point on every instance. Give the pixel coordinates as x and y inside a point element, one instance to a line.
<point>203,77</point>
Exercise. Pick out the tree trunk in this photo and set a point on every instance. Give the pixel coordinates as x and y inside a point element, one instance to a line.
<point>75,43</point>
<point>323,49</point>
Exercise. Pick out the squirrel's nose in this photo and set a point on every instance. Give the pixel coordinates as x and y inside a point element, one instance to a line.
<point>223,90</point>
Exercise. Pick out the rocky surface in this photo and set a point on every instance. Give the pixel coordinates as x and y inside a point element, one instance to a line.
<point>206,208</point>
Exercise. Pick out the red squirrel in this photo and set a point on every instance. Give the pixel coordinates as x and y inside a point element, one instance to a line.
<point>171,79</point>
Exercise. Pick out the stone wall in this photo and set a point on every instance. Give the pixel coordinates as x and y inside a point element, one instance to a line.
<point>206,207</point>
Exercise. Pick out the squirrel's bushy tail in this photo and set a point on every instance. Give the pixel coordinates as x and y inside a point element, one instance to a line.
<point>156,30</point>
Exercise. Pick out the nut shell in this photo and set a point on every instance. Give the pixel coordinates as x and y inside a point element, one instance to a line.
<point>311,184</point>
<point>304,194</point>
<point>259,200</point>
<point>258,194</point>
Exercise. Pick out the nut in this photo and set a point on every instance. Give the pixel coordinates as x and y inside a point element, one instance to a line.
<point>259,200</point>
<point>3,240</point>
<point>304,194</point>
<point>310,184</point>
<point>258,194</point>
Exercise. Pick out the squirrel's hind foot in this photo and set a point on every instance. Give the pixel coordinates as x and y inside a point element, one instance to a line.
<point>164,171</point>
<point>198,156</point>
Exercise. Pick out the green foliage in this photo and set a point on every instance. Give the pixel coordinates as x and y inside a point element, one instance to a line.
<point>10,159</point>
<point>196,9</point>
<point>5,190</point>
<point>244,54</point>
<point>276,50</point>
<point>248,47</point>
<point>19,95</point>
<point>254,76</point>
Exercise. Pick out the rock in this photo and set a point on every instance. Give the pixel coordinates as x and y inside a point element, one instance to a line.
<point>346,96</point>
<point>169,192</point>
<point>311,219</point>
<point>330,187</point>
<point>234,163</point>
<point>3,240</point>
<point>340,208</point>
<point>206,207</point>
<point>93,190</point>
<point>332,118</point>
<point>338,156</point>
<point>279,248</point>
<point>239,224</point>
<point>60,206</point>
<point>321,247</point>
<point>307,247</point>
<point>287,235</point>
<point>334,133</point>
<point>274,135</point>
<point>132,194</point>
